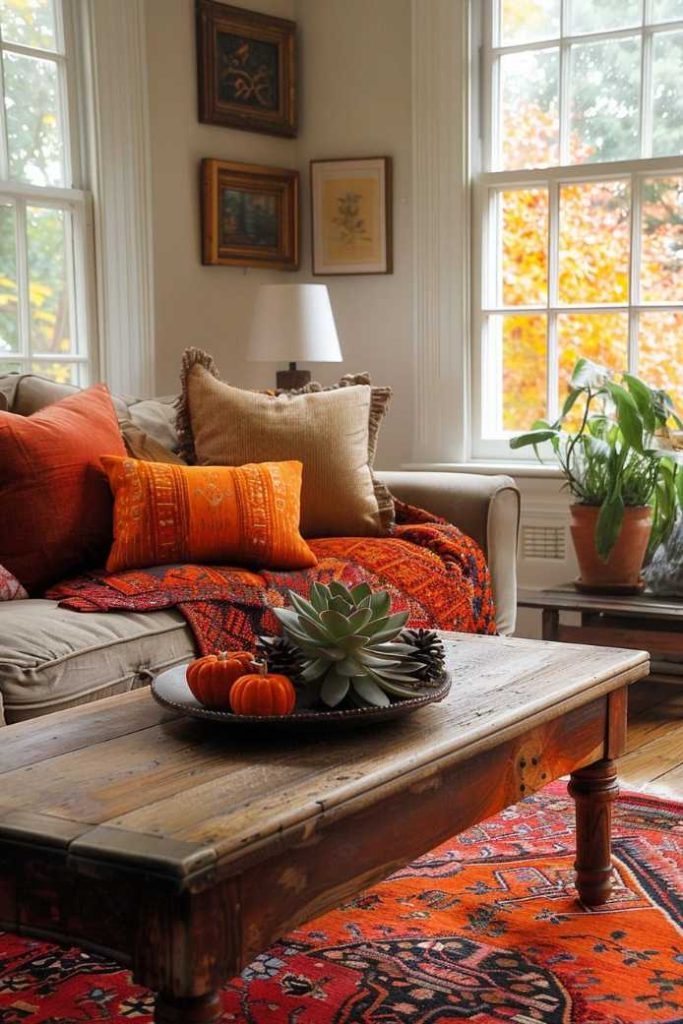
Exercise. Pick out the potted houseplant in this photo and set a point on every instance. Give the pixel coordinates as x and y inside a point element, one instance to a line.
<point>612,441</point>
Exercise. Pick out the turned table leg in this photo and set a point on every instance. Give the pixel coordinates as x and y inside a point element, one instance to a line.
<point>594,789</point>
<point>205,1009</point>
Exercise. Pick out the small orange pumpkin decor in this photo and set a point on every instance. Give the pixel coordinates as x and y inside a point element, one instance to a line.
<point>263,693</point>
<point>212,677</point>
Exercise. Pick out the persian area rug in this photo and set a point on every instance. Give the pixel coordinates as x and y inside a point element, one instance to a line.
<point>486,928</point>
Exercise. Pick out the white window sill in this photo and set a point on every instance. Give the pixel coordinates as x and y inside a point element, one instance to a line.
<point>491,468</point>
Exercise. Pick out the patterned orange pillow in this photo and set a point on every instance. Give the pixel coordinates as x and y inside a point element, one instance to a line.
<point>234,515</point>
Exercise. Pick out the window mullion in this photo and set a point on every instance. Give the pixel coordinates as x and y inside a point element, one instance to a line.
<point>646,95</point>
<point>23,280</point>
<point>75,331</point>
<point>553,297</point>
<point>637,184</point>
<point>4,143</point>
<point>564,83</point>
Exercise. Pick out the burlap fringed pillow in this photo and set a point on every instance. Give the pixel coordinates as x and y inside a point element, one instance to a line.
<point>383,515</point>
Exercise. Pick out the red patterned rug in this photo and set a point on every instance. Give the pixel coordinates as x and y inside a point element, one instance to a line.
<point>486,928</point>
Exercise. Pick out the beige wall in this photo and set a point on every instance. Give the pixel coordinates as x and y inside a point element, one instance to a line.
<point>195,305</point>
<point>355,101</point>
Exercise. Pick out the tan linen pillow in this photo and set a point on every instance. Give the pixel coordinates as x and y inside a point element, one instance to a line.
<point>380,398</point>
<point>379,404</point>
<point>326,431</point>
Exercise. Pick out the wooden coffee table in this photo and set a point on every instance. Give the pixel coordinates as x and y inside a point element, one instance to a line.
<point>183,848</point>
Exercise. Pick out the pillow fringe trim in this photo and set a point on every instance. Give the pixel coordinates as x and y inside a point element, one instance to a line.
<point>191,357</point>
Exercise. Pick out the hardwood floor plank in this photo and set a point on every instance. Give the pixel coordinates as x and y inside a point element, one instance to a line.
<point>654,742</point>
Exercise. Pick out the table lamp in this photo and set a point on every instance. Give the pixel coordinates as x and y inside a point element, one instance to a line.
<point>293,322</point>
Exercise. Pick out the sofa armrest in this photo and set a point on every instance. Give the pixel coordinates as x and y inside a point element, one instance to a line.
<point>486,508</point>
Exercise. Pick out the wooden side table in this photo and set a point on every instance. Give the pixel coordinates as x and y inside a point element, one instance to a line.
<point>640,622</point>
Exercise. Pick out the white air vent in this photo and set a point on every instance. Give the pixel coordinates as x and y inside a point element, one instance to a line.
<point>544,542</point>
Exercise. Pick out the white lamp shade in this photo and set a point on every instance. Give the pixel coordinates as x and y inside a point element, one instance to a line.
<point>293,323</point>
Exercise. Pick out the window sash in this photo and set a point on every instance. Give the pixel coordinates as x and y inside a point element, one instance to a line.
<point>77,231</point>
<point>76,202</point>
<point>490,55</point>
<point>489,440</point>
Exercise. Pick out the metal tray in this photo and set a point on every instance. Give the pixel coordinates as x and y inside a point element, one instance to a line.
<point>170,689</point>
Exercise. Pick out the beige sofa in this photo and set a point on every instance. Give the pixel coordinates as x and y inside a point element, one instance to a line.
<point>52,658</point>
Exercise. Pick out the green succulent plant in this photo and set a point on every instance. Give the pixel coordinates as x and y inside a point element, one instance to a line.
<point>349,639</point>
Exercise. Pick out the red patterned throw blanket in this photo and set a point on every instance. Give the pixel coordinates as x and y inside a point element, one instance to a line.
<point>430,568</point>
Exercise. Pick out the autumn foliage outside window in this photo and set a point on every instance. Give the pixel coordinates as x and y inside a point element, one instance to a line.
<point>582,215</point>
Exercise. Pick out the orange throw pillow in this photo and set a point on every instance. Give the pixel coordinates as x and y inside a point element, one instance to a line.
<point>55,503</point>
<point>235,515</point>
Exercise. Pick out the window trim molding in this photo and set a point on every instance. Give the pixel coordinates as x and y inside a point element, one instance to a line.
<point>119,164</point>
<point>441,227</point>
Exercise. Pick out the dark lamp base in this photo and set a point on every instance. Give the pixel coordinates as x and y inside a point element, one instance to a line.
<point>291,380</point>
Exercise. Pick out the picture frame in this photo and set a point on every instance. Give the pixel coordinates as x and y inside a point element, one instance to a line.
<point>246,68</point>
<point>250,215</point>
<point>351,216</point>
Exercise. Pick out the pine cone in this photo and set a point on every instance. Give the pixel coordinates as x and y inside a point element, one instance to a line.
<point>282,656</point>
<point>429,650</point>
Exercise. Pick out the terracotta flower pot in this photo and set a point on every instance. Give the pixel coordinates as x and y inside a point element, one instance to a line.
<point>622,568</point>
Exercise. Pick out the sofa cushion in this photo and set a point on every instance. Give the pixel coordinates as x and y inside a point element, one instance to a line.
<point>155,416</point>
<point>52,658</point>
<point>26,393</point>
<point>140,445</point>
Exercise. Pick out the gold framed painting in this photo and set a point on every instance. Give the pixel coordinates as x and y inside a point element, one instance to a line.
<point>250,215</point>
<point>246,64</point>
<point>351,217</point>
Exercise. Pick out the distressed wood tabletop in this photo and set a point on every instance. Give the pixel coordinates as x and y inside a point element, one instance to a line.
<point>124,781</point>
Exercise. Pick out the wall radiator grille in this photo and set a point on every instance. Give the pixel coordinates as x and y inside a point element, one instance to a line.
<point>548,543</point>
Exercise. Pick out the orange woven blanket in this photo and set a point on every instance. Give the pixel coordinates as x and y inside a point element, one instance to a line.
<point>430,567</point>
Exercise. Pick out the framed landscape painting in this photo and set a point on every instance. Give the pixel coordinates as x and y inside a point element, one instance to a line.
<point>351,216</point>
<point>246,65</point>
<point>250,215</point>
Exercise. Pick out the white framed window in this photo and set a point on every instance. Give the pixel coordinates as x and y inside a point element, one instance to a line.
<point>577,203</point>
<point>46,247</point>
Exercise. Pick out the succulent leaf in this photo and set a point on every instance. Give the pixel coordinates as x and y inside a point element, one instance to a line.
<point>336,624</point>
<point>358,619</point>
<point>315,669</point>
<point>334,689</point>
<point>349,667</point>
<point>361,592</point>
<point>370,692</point>
<point>315,630</point>
<point>318,596</point>
<point>301,605</point>
<point>380,604</point>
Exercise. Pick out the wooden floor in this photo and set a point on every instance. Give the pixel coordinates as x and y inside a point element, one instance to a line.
<point>653,762</point>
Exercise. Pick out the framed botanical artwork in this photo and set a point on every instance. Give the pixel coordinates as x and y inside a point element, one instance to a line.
<point>246,65</point>
<point>250,215</point>
<point>351,216</point>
